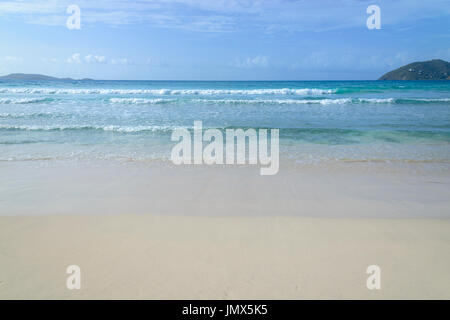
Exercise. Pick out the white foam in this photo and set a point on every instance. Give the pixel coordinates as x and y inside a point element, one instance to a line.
<point>373,100</point>
<point>87,127</point>
<point>23,115</point>
<point>140,101</point>
<point>207,92</point>
<point>21,100</point>
<point>400,100</point>
<point>433,100</point>
<point>274,101</point>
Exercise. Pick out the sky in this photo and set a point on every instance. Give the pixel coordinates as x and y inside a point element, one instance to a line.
<point>220,39</point>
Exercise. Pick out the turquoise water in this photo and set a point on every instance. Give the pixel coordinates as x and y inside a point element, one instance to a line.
<point>318,120</point>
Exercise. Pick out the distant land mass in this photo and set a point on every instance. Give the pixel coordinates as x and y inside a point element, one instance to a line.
<point>435,69</point>
<point>35,77</point>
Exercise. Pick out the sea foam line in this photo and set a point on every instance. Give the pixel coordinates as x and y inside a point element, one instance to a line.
<point>144,101</point>
<point>275,101</point>
<point>126,129</point>
<point>207,92</point>
<point>23,115</point>
<point>22,100</point>
<point>168,128</point>
<point>141,101</point>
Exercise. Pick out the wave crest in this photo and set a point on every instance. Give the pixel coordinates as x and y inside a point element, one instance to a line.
<point>206,92</point>
<point>22,100</point>
<point>140,101</point>
<point>125,129</point>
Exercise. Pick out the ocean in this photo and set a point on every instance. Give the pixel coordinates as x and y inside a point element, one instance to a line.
<point>319,121</point>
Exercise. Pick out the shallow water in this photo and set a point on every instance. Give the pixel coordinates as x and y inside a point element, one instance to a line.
<point>367,121</point>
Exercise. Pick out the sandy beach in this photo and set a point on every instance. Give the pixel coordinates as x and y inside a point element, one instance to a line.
<point>149,232</point>
<point>154,257</point>
<point>224,150</point>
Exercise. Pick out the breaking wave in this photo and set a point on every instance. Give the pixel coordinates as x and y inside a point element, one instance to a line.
<point>206,92</point>
<point>143,101</point>
<point>23,100</point>
<point>125,129</point>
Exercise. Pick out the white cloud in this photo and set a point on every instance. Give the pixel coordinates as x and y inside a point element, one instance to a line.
<point>74,58</point>
<point>90,58</point>
<point>30,7</point>
<point>255,62</point>
<point>269,16</point>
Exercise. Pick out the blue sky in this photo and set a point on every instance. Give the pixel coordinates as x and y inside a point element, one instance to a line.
<point>220,39</point>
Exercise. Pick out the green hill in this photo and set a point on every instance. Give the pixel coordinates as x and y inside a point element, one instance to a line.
<point>427,70</point>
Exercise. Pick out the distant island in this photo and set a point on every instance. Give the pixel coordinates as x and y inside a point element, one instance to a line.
<point>435,69</point>
<point>36,77</point>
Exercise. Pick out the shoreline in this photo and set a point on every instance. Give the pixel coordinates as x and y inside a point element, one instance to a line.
<point>346,191</point>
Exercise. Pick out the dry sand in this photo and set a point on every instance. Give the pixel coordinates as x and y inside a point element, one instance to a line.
<point>161,233</point>
<point>154,257</point>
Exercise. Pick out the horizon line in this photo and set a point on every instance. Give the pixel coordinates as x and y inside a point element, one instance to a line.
<point>68,78</point>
